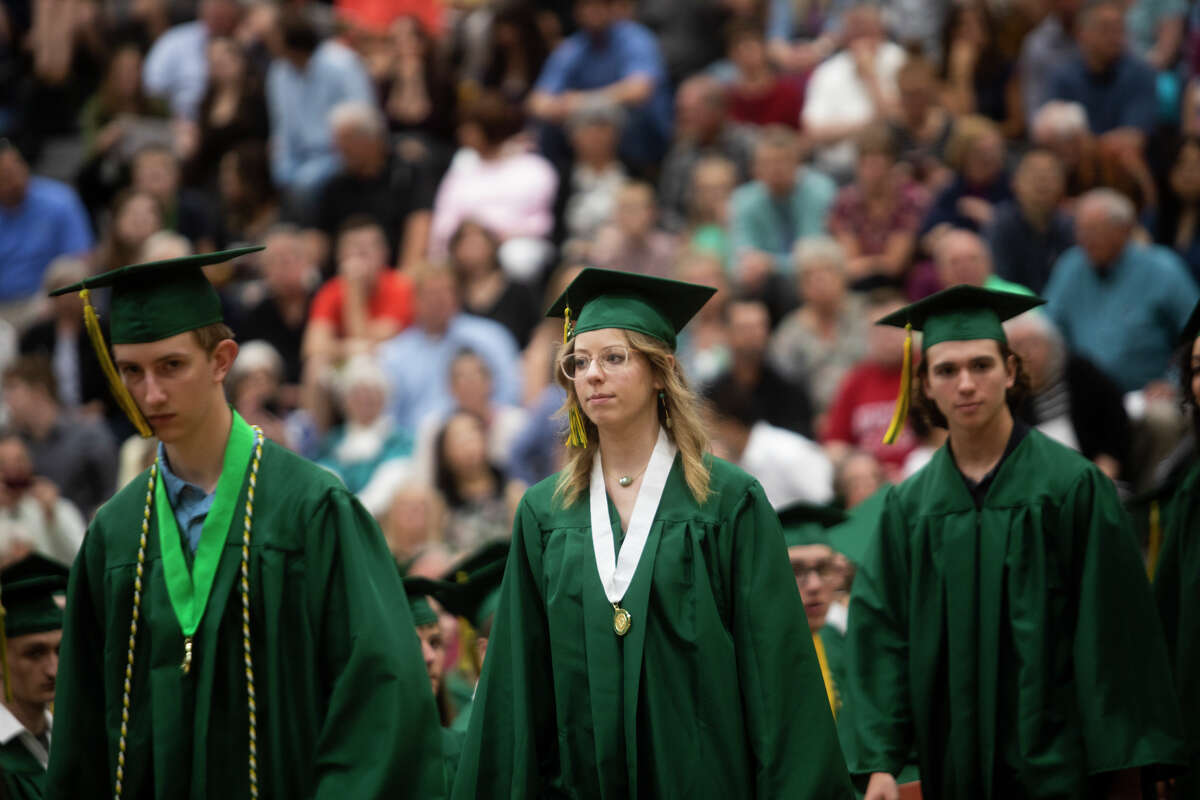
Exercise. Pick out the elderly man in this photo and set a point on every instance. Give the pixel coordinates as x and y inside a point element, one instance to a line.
<point>373,181</point>
<point>1118,302</point>
<point>1029,232</point>
<point>962,257</point>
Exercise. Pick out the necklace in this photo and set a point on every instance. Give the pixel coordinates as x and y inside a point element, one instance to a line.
<point>625,480</point>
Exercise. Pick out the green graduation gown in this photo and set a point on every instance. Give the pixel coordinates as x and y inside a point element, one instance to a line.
<point>1177,590</point>
<point>714,692</point>
<point>21,776</point>
<point>1017,644</point>
<point>343,702</point>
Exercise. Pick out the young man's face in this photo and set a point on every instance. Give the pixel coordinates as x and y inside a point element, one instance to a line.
<point>968,381</point>
<point>33,666</point>
<point>433,650</point>
<point>813,566</point>
<point>172,381</point>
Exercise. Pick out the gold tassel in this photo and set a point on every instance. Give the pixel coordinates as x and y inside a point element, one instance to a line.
<point>8,695</point>
<point>901,413</point>
<point>124,399</point>
<point>1154,545</point>
<point>577,433</point>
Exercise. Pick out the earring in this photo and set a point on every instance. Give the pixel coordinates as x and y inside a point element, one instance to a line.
<point>662,398</point>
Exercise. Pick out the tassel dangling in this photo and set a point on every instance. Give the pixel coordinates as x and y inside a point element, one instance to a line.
<point>902,401</point>
<point>662,398</point>
<point>124,398</point>
<point>577,433</point>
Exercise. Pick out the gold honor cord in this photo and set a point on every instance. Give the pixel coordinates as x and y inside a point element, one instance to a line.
<point>124,399</point>
<point>251,700</point>
<point>903,399</point>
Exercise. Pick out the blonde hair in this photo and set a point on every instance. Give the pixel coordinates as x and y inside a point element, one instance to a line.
<point>686,430</point>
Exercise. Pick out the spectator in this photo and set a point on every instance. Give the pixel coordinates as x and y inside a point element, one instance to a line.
<point>276,310</point>
<point>78,455</point>
<point>500,185</point>
<point>155,171</point>
<point>374,181</point>
<point>921,125</point>
<point>858,476</point>
<point>800,37</point>
<point>713,182</point>
<point>417,361</point>
<point>1044,51</point>
<point>596,173</point>
<point>1069,400</point>
<point>371,455</point>
<point>687,32</point>
<point>1156,31</point>
<point>418,96</point>
<point>862,407</point>
<point>34,517</point>
<point>790,467</point>
<point>619,58</point>
<point>875,219</point>
<point>1109,278</point>
<point>962,257</point>
<point>1116,88</point>
<point>249,204</point>
<point>60,338</point>
<point>40,219</point>
<point>760,96</point>
<point>416,519</point>
<point>306,80</point>
<point>364,304</point>
<point>779,401</point>
<point>486,291</point>
<point>979,78</point>
<point>254,387</point>
<point>176,68</point>
<point>1030,231</point>
<point>119,117</point>
<point>784,203</point>
<point>1062,128</point>
<point>1178,223</point>
<point>517,52</point>
<point>976,153</point>
<point>703,346</point>
<point>819,342</point>
<point>233,110</point>
<point>702,129</point>
<point>633,242</point>
<point>480,499</point>
<point>471,387</point>
<point>848,90</point>
<point>135,216</point>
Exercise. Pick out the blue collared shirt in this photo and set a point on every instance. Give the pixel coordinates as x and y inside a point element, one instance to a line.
<point>189,502</point>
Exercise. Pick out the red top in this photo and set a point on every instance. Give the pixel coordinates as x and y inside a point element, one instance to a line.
<point>779,105</point>
<point>392,298</point>
<point>862,410</point>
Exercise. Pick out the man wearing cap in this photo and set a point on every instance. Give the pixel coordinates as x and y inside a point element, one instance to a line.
<point>1002,619</point>
<point>32,592</point>
<point>234,625</point>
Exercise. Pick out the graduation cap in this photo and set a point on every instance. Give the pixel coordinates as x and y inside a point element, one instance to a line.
<point>419,590</point>
<point>806,523</point>
<point>960,313</point>
<point>151,301</point>
<point>472,589</point>
<point>30,594</point>
<point>605,298</point>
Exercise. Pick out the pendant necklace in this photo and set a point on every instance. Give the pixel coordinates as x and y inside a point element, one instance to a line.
<point>625,480</point>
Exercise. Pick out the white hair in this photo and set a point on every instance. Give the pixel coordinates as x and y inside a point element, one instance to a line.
<point>360,116</point>
<point>255,355</point>
<point>1038,323</point>
<point>1059,119</point>
<point>820,250</point>
<point>165,244</point>
<point>362,370</point>
<point>1117,207</point>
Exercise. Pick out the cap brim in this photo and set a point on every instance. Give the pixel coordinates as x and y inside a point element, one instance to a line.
<point>111,277</point>
<point>676,301</point>
<point>958,299</point>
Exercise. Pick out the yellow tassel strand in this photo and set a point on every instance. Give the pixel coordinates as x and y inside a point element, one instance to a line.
<point>1154,546</point>
<point>901,414</point>
<point>124,399</point>
<point>577,433</point>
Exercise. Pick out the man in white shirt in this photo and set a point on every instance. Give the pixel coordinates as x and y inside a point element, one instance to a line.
<point>850,90</point>
<point>33,594</point>
<point>34,518</point>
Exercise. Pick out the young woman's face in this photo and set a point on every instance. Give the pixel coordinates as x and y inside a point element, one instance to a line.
<point>614,383</point>
<point>225,61</point>
<point>137,218</point>
<point>465,445</point>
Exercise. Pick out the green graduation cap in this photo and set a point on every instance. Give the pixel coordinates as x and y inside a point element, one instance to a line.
<point>960,313</point>
<point>151,301</point>
<point>419,590</point>
<point>806,523</point>
<point>472,589</point>
<point>32,597</point>
<point>606,298</point>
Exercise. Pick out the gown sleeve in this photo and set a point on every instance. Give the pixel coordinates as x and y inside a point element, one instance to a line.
<point>876,723</point>
<point>511,748</point>
<point>380,735</point>
<point>1129,714</point>
<point>790,724</point>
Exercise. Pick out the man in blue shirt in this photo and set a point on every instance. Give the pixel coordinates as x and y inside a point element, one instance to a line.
<point>1116,87</point>
<point>176,67</point>
<point>40,219</point>
<point>1119,303</point>
<point>614,57</point>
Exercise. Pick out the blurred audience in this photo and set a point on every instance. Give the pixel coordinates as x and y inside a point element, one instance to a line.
<point>1030,231</point>
<point>480,499</point>
<point>34,517</point>
<point>633,242</point>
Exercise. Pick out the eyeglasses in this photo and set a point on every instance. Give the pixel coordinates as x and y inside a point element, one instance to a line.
<point>611,361</point>
<point>825,570</point>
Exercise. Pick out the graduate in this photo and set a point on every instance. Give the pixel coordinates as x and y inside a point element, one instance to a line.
<point>1177,577</point>
<point>235,626</point>
<point>649,640</point>
<point>1002,619</point>
<point>32,592</point>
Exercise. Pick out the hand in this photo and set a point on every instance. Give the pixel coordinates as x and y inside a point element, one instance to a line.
<point>109,135</point>
<point>1159,391</point>
<point>976,209</point>
<point>882,787</point>
<point>753,269</point>
<point>964,54</point>
<point>863,53</point>
<point>46,493</point>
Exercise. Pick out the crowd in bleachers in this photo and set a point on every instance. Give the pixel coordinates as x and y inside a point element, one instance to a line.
<point>427,174</point>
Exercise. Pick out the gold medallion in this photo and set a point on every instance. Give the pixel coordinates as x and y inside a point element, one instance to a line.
<point>622,619</point>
